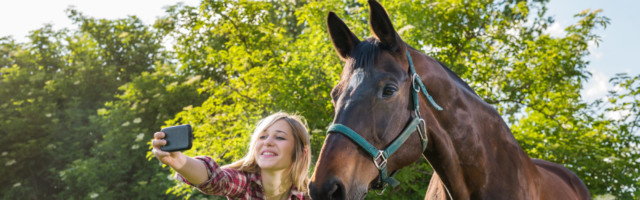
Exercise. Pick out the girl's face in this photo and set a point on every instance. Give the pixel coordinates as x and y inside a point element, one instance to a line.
<point>275,147</point>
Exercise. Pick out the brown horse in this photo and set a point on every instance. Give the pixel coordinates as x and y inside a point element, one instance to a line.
<point>379,128</point>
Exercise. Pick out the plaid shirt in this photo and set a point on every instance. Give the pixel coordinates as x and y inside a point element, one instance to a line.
<point>235,184</point>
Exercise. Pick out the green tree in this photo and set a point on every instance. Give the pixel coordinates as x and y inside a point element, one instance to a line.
<point>52,85</point>
<point>115,168</point>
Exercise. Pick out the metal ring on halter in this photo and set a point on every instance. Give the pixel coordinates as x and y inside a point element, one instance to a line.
<point>382,163</point>
<point>424,127</point>
<point>413,82</point>
<point>383,189</point>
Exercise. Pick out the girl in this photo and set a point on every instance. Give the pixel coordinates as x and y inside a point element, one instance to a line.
<point>276,166</point>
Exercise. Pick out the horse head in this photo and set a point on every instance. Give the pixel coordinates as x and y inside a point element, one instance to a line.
<point>379,127</point>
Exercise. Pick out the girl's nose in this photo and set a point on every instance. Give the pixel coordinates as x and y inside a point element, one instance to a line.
<point>269,141</point>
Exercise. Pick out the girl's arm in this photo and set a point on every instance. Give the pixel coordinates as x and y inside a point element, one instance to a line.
<point>202,172</point>
<point>191,169</point>
<point>222,181</point>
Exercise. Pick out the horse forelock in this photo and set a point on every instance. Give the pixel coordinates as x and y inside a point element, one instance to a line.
<point>361,60</point>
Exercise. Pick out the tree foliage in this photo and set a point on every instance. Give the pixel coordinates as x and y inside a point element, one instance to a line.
<point>51,90</point>
<point>80,106</point>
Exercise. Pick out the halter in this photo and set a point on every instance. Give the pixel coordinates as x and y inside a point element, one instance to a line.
<point>380,157</point>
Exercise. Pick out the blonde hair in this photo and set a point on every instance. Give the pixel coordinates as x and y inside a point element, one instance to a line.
<point>302,149</point>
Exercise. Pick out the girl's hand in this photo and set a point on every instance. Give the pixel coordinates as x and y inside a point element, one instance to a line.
<point>174,159</point>
<point>195,171</point>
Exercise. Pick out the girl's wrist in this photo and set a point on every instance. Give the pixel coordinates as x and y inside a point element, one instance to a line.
<point>180,161</point>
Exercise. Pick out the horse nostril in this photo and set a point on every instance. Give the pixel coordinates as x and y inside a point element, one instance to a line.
<point>337,191</point>
<point>333,189</point>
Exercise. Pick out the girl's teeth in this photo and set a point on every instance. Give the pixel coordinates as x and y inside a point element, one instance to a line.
<point>268,154</point>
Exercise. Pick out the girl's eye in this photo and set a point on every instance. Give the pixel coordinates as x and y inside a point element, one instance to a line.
<point>280,138</point>
<point>388,91</point>
<point>263,137</point>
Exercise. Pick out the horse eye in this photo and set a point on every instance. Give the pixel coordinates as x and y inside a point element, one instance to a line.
<point>388,91</point>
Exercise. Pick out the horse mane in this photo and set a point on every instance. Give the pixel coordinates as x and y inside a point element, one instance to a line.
<point>452,74</point>
<point>457,78</point>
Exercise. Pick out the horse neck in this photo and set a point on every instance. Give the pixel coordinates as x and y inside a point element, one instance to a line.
<point>469,143</point>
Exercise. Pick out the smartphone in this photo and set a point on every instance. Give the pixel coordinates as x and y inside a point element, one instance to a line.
<point>179,138</point>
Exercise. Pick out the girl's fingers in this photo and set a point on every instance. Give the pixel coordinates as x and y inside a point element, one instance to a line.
<point>158,135</point>
<point>157,143</point>
<point>159,153</point>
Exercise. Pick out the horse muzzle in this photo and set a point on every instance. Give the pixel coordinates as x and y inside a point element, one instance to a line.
<point>332,189</point>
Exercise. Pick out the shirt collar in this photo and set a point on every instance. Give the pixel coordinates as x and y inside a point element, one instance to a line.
<point>257,179</point>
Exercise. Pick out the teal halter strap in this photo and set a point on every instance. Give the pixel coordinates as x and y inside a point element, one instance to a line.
<point>414,125</point>
<point>420,86</point>
<point>373,151</point>
<point>379,156</point>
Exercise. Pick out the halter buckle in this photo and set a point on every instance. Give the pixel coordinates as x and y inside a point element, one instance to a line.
<point>415,80</point>
<point>382,163</point>
<point>423,136</point>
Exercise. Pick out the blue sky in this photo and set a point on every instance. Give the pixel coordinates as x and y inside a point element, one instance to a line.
<point>620,41</point>
<point>23,16</point>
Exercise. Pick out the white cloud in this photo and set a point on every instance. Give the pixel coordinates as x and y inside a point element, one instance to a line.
<point>555,30</point>
<point>597,87</point>
<point>617,115</point>
<point>593,50</point>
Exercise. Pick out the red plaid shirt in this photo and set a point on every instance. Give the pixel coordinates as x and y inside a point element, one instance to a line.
<point>234,184</point>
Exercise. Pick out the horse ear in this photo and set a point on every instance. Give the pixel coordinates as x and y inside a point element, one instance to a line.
<point>343,39</point>
<point>382,27</point>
